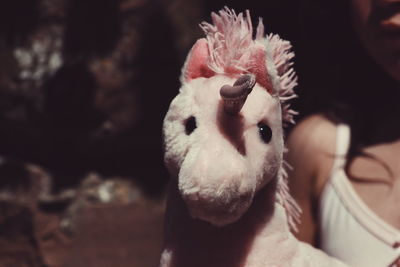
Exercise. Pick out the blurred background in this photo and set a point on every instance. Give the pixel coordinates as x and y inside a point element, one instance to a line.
<point>84,86</point>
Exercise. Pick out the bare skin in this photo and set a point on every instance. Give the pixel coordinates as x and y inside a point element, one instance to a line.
<point>311,146</point>
<point>376,179</point>
<point>312,149</point>
<point>377,23</point>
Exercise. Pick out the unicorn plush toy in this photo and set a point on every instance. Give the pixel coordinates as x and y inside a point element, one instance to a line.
<point>228,203</point>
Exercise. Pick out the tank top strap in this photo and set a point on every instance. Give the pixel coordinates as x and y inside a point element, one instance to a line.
<point>342,145</point>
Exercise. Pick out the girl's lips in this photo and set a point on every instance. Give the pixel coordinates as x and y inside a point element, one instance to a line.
<point>386,16</point>
<point>391,24</point>
<point>389,30</point>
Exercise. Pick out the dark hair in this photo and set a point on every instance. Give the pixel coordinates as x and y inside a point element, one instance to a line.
<point>339,79</point>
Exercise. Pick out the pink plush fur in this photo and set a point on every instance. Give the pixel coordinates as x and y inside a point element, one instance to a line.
<point>229,204</point>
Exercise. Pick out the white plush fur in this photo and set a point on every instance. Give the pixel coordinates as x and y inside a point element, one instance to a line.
<point>221,192</point>
<point>222,207</point>
<point>228,202</point>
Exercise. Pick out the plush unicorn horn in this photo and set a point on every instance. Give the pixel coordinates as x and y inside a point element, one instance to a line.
<point>228,203</point>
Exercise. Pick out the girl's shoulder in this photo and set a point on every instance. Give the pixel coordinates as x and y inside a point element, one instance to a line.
<point>312,145</point>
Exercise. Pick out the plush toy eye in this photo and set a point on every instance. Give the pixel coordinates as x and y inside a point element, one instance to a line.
<point>265,132</point>
<point>190,125</point>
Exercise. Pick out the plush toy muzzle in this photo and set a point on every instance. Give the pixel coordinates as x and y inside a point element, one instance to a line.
<point>220,193</point>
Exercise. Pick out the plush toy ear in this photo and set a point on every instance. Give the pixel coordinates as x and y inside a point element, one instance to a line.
<point>196,62</point>
<point>259,68</point>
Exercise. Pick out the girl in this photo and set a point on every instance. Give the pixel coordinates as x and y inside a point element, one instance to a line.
<point>346,155</point>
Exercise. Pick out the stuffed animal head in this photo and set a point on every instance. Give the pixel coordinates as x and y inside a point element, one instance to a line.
<point>223,132</point>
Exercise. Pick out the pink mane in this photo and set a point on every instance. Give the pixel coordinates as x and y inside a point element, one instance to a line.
<point>232,50</point>
<point>230,42</point>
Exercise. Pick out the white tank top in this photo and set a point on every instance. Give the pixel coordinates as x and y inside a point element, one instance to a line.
<point>349,229</point>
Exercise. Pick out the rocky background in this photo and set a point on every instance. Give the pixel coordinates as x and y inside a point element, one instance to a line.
<point>84,86</point>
